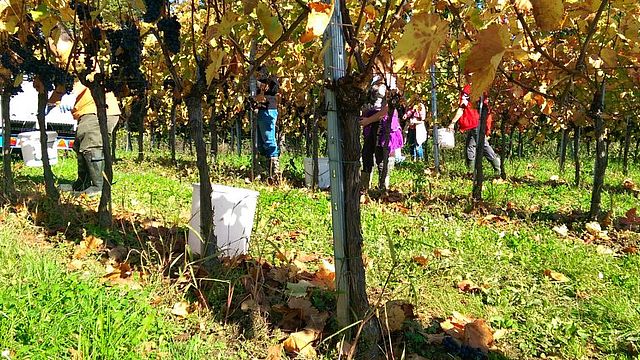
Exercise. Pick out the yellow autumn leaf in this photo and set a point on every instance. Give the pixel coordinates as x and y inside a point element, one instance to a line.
<point>486,55</point>
<point>609,56</point>
<point>181,309</point>
<point>216,57</point>
<point>300,343</point>
<point>228,21</point>
<point>556,276</point>
<point>248,6</point>
<point>424,35</point>
<point>523,5</point>
<point>548,14</point>
<point>270,24</point>
<point>135,4</point>
<point>422,6</point>
<point>317,20</point>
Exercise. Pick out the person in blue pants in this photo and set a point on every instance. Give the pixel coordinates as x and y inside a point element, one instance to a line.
<point>267,104</point>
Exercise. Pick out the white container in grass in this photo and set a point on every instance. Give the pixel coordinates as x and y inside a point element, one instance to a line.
<point>233,213</point>
<point>446,138</point>
<point>31,150</point>
<point>324,180</point>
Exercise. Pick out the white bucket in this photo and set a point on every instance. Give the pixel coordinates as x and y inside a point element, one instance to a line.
<point>233,212</point>
<point>30,145</point>
<point>446,140</point>
<point>324,180</point>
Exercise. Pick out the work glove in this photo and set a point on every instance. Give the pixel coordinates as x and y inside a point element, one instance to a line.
<point>68,102</point>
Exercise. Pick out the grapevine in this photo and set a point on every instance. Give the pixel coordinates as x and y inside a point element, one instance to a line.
<point>126,55</point>
<point>170,28</point>
<point>154,9</point>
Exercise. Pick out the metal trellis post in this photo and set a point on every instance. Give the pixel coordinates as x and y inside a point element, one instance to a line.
<point>334,64</point>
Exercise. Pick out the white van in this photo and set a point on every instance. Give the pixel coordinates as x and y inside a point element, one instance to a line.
<point>23,115</point>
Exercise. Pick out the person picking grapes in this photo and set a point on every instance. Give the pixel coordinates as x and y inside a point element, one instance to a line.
<point>267,104</point>
<point>88,140</point>
<point>469,118</point>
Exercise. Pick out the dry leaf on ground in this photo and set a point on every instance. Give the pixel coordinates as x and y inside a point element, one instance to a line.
<point>275,352</point>
<point>468,286</point>
<point>88,245</point>
<point>326,275</point>
<point>181,309</point>
<point>300,343</point>
<point>439,253</point>
<point>420,260</point>
<point>557,276</point>
<point>561,230</point>
<point>477,335</point>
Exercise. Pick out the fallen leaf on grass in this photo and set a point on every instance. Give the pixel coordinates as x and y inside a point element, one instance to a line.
<point>454,325</point>
<point>274,352</point>
<point>300,343</point>
<point>467,286</point>
<point>630,250</point>
<point>604,250</point>
<point>499,181</point>
<point>298,289</point>
<point>499,334</point>
<point>594,229</point>
<point>630,185</point>
<point>440,253</point>
<point>181,309</point>
<point>631,218</point>
<point>75,264</point>
<point>420,260</point>
<point>88,245</point>
<point>326,275</point>
<point>75,355</point>
<point>556,276</point>
<point>561,230</point>
<point>477,335</point>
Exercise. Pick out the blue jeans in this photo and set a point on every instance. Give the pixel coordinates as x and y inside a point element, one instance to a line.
<point>267,143</point>
<point>416,150</point>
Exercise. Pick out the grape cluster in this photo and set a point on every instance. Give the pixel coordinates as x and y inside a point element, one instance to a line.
<point>126,55</point>
<point>83,11</point>
<point>154,9</point>
<point>170,28</point>
<point>49,74</point>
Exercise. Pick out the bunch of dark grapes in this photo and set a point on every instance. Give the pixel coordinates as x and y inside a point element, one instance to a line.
<point>154,9</point>
<point>49,74</point>
<point>82,10</point>
<point>170,28</point>
<point>126,55</point>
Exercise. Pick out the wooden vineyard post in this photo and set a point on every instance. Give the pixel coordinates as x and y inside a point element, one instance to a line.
<point>334,64</point>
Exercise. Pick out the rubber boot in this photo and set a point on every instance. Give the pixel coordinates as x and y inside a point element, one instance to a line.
<point>95,160</point>
<point>496,166</point>
<point>383,182</point>
<point>83,181</point>
<point>274,170</point>
<point>365,181</point>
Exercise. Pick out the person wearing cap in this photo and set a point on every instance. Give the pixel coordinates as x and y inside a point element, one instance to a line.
<point>468,116</point>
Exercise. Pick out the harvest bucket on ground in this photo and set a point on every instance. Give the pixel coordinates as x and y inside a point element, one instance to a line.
<point>233,212</point>
<point>30,145</point>
<point>323,172</point>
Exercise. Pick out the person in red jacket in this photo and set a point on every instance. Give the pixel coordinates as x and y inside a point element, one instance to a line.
<point>469,118</point>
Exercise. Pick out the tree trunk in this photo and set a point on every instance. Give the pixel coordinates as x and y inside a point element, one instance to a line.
<point>8,186</point>
<point>213,131</point>
<point>239,134</point>
<point>172,131</point>
<point>314,150</point>
<point>194,109</point>
<point>104,208</point>
<point>478,177</point>
<point>627,144</point>
<point>141,130</point>
<point>113,141</point>
<point>601,155</point>
<point>563,149</point>
<point>576,155</point>
<point>520,144</point>
<point>129,145</point>
<point>49,182</point>
<point>358,300</point>
<point>635,152</point>
<point>503,144</point>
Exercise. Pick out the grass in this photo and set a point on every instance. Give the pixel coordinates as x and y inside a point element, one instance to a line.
<point>49,310</point>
